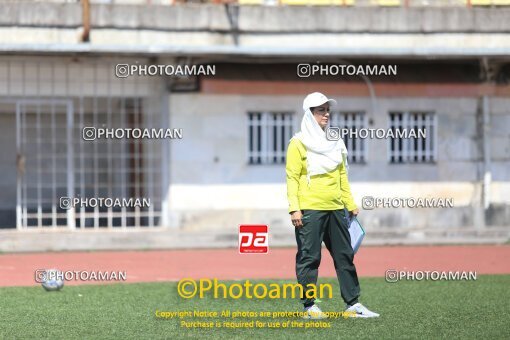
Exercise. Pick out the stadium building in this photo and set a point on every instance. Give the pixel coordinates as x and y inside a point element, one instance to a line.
<point>231,79</point>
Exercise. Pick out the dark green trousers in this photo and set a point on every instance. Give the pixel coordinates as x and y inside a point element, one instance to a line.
<point>332,228</point>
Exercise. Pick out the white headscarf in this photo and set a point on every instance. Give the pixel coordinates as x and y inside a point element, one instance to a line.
<point>323,155</point>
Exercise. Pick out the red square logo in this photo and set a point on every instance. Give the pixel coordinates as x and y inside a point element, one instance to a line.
<point>253,239</point>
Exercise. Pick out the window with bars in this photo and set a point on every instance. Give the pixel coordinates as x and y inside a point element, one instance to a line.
<point>53,101</point>
<point>268,136</point>
<point>351,121</point>
<point>57,162</point>
<point>413,137</point>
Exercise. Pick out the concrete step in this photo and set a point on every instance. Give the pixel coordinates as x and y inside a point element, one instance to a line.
<point>81,240</point>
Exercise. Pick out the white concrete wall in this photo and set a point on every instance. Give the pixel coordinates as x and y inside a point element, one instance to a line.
<point>375,30</point>
<point>212,185</point>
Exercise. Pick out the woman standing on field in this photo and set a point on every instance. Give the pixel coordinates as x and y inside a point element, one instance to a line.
<point>319,196</point>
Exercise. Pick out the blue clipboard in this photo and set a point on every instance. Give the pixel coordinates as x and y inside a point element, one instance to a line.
<point>357,233</point>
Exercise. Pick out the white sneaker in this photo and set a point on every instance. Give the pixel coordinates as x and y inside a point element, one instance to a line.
<point>314,313</point>
<point>359,311</point>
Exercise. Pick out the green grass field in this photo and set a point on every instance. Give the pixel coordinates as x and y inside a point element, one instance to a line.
<point>425,309</point>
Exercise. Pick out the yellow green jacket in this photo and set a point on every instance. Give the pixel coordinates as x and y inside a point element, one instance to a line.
<point>329,191</point>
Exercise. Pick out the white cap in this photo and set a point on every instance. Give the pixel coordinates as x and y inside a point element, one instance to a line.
<point>316,99</point>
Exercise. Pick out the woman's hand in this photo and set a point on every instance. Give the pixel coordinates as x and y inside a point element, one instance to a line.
<point>355,212</point>
<point>296,218</point>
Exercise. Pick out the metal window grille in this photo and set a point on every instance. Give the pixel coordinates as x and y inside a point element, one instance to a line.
<point>412,147</point>
<point>53,101</point>
<point>268,136</point>
<point>351,121</point>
